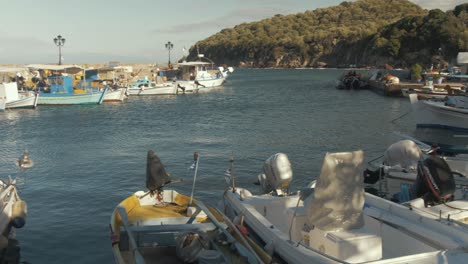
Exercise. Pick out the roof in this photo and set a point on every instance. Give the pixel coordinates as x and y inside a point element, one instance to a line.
<point>71,68</point>
<point>193,63</point>
<point>462,58</point>
<point>14,70</point>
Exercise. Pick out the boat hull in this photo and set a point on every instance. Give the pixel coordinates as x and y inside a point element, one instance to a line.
<point>385,215</point>
<point>196,85</point>
<point>2,104</point>
<point>59,99</point>
<point>429,114</point>
<point>24,102</point>
<point>159,90</point>
<point>117,95</point>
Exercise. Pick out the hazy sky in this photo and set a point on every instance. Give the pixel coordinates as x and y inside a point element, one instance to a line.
<point>132,30</point>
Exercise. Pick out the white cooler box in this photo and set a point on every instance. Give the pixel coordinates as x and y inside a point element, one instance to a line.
<point>354,246</point>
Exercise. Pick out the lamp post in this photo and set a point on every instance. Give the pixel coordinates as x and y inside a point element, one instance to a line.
<point>169,46</point>
<point>59,41</point>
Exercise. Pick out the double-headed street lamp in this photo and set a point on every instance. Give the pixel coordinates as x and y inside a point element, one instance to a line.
<point>59,41</point>
<point>169,46</point>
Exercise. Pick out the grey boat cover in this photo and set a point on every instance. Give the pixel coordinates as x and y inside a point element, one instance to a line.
<point>156,175</point>
<point>338,199</point>
<point>404,153</point>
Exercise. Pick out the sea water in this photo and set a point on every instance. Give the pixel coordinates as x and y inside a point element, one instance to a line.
<point>89,158</point>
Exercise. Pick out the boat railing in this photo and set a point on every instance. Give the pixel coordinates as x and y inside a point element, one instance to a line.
<point>136,252</point>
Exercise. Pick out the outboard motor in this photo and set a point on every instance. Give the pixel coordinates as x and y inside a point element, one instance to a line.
<point>435,182</point>
<point>277,174</point>
<point>156,175</point>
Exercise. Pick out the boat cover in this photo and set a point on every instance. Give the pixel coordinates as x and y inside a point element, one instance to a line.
<point>404,153</point>
<point>338,199</point>
<point>156,175</point>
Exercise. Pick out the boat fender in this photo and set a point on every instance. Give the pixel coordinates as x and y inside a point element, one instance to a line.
<point>244,194</point>
<point>18,214</point>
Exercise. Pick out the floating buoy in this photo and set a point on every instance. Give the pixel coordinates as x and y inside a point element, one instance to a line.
<point>24,162</point>
<point>19,212</point>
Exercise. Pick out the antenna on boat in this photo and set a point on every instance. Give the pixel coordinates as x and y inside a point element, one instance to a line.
<point>231,170</point>
<point>195,162</point>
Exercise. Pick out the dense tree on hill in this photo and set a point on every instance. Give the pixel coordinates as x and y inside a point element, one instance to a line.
<point>361,32</point>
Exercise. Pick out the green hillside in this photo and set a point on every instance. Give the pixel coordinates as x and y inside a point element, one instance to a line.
<point>364,32</point>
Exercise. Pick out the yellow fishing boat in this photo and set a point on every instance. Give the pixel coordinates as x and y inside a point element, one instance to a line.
<point>164,226</point>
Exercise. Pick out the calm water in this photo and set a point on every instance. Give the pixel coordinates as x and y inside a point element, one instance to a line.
<point>89,158</point>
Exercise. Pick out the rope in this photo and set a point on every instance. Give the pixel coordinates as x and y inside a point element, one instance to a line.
<point>393,121</point>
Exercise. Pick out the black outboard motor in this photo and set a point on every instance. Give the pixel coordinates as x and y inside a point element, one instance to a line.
<point>156,175</point>
<point>435,182</point>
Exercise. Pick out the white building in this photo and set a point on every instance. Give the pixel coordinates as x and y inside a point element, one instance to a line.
<point>462,60</point>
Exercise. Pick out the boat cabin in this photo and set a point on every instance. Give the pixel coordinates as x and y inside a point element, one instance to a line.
<point>196,70</point>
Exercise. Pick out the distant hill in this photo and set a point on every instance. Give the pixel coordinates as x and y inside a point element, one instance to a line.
<point>364,32</point>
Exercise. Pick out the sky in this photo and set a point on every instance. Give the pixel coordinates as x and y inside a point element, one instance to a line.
<point>133,31</point>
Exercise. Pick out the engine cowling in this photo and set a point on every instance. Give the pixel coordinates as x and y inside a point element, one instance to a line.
<point>277,174</point>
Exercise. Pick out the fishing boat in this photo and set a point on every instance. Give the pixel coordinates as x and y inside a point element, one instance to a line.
<point>9,90</point>
<point>164,226</point>
<point>399,167</point>
<point>451,113</point>
<point>61,90</point>
<point>101,78</point>
<point>196,75</point>
<point>334,220</point>
<point>118,94</point>
<point>351,80</point>
<point>13,216</point>
<point>144,86</point>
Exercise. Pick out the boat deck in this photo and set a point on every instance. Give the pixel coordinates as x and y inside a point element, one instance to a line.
<point>395,89</point>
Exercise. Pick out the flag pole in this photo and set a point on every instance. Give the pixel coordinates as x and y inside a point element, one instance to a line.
<point>195,158</point>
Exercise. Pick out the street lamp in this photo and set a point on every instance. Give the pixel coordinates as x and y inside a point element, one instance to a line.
<point>59,41</point>
<point>169,46</point>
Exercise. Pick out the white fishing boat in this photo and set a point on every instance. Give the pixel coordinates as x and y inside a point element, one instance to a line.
<point>13,215</point>
<point>144,86</point>
<point>425,92</point>
<point>115,94</point>
<point>15,99</point>
<point>196,75</point>
<point>335,221</point>
<point>9,90</point>
<point>164,226</point>
<point>451,114</point>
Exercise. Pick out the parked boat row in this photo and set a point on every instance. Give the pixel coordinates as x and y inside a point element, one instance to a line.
<point>72,84</point>
<point>333,220</point>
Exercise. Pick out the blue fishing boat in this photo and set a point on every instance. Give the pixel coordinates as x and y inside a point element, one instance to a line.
<point>61,92</point>
<point>59,88</point>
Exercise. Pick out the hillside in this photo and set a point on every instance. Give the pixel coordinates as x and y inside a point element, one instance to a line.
<point>365,32</point>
